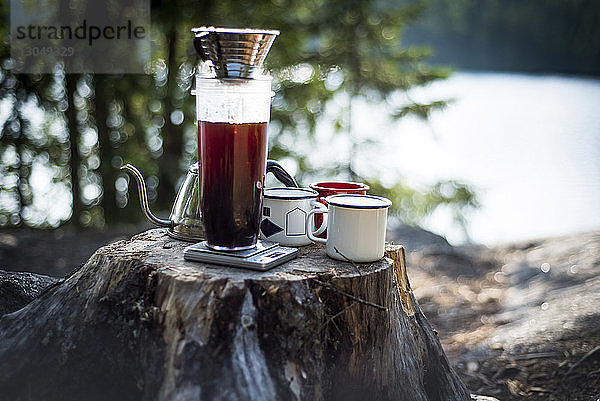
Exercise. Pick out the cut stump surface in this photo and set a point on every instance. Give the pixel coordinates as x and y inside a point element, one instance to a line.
<point>137,321</point>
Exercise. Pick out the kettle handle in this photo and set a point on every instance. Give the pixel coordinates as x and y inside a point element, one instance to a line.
<point>279,172</point>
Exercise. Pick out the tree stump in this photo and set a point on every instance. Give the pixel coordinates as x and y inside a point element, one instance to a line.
<point>137,321</point>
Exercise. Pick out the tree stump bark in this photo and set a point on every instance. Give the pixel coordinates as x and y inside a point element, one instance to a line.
<point>137,321</point>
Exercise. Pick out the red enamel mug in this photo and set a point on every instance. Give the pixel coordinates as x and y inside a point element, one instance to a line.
<point>327,188</point>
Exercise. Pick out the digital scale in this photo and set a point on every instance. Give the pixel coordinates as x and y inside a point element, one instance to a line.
<point>263,257</point>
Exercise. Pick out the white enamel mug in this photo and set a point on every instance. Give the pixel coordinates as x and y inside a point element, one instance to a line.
<point>284,215</point>
<point>355,228</point>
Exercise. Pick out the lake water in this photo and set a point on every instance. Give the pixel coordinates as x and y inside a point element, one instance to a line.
<point>529,144</point>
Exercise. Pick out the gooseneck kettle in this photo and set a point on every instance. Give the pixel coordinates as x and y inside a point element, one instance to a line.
<point>185,220</point>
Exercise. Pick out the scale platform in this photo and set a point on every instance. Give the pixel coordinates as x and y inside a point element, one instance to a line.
<point>263,257</point>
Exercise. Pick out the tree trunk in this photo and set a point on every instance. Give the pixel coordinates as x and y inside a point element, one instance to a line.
<point>107,152</point>
<point>21,171</point>
<point>137,321</point>
<point>172,135</point>
<point>75,158</point>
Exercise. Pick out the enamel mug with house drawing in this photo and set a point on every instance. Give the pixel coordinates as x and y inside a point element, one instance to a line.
<point>284,215</point>
<point>355,228</point>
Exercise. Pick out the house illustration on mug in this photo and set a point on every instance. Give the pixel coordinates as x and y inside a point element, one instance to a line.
<point>295,222</point>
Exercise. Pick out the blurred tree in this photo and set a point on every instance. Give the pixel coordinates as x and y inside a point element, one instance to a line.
<point>104,91</point>
<point>169,19</point>
<point>74,140</point>
<point>412,206</point>
<point>329,53</point>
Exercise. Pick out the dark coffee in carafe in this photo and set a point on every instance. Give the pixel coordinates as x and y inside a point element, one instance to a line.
<point>233,171</point>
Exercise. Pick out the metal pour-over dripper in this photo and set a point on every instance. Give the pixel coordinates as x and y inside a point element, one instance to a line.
<point>234,53</point>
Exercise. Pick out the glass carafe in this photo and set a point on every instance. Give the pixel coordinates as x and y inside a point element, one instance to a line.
<point>232,116</point>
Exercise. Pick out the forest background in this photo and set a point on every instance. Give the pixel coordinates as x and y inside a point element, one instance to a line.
<point>64,136</point>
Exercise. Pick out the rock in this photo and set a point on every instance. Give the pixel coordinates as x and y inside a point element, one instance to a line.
<point>17,289</point>
<point>417,239</point>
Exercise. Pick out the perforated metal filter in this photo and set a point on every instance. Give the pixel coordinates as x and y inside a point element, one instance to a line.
<point>234,53</point>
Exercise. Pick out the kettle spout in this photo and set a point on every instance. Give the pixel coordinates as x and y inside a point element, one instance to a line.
<point>139,179</point>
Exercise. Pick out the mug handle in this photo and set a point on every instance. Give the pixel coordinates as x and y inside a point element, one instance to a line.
<point>310,225</point>
<point>318,205</point>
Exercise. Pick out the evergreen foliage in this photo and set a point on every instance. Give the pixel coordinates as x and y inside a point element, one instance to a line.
<point>78,129</point>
